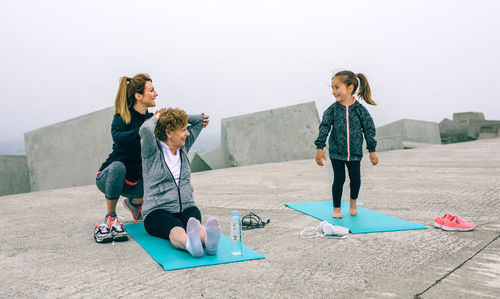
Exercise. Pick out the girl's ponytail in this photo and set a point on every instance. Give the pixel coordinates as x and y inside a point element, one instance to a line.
<point>121,105</point>
<point>364,89</point>
<point>349,78</point>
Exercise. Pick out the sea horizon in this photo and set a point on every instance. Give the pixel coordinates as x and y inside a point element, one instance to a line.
<point>203,144</point>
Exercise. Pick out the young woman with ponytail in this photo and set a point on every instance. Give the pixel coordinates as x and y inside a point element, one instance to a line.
<point>121,173</point>
<point>348,120</point>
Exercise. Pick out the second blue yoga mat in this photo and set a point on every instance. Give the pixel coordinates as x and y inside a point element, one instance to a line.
<point>173,259</point>
<point>367,221</point>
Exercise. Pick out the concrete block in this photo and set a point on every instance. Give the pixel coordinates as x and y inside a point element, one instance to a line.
<point>487,135</point>
<point>487,127</point>
<point>465,117</point>
<point>452,131</point>
<point>14,175</point>
<point>412,131</point>
<point>215,158</point>
<point>197,163</point>
<point>275,135</point>
<point>69,153</point>
<point>388,143</point>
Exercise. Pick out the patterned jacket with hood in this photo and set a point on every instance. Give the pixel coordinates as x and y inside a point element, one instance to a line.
<point>348,124</point>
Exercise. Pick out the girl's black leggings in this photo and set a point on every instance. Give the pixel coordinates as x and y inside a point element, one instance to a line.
<point>353,167</point>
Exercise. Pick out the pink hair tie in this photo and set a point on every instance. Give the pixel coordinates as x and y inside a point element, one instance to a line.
<point>356,75</point>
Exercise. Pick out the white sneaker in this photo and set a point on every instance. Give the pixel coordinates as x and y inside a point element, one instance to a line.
<point>328,229</point>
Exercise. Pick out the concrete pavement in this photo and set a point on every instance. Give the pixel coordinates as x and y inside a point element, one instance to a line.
<point>47,249</point>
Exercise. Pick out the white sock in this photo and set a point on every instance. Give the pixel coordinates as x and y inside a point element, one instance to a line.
<point>213,236</point>
<point>193,244</point>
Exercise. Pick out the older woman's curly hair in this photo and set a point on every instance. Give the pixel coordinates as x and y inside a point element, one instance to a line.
<point>170,120</point>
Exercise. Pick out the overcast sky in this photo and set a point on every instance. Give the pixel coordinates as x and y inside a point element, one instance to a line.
<point>424,59</point>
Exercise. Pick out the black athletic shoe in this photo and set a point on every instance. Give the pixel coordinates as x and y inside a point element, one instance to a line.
<point>102,233</point>
<point>119,233</point>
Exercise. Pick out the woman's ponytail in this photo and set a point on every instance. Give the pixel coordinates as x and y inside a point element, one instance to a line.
<point>125,98</point>
<point>121,103</point>
<point>364,89</point>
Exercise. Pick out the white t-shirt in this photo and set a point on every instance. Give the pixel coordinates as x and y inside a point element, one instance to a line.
<point>173,162</point>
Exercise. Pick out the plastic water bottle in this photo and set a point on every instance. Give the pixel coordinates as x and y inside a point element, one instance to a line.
<point>236,246</point>
<point>360,199</point>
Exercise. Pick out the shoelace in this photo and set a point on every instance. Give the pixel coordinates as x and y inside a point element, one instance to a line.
<point>455,218</point>
<point>117,226</point>
<point>103,228</point>
<point>447,216</point>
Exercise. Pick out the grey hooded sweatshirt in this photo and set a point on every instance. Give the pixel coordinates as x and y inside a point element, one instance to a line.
<point>160,189</point>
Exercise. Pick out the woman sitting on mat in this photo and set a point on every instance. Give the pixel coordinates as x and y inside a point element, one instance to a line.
<point>169,210</point>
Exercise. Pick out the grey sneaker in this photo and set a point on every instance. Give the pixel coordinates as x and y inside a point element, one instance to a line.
<point>133,208</point>
<point>102,233</point>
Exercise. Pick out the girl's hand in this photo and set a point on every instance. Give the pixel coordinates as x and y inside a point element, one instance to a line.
<point>206,120</point>
<point>373,158</point>
<point>320,156</point>
<point>158,112</point>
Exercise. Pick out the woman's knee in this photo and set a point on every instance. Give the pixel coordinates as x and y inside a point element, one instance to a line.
<point>117,169</point>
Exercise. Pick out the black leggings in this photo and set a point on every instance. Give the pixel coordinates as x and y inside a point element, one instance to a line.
<point>160,222</point>
<point>353,167</point>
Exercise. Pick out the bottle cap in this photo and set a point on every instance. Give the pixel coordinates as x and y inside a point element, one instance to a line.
<point>235,213</point>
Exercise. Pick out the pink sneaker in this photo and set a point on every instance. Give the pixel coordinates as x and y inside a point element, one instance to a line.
<point>456,224</point>
<point>438,221</point>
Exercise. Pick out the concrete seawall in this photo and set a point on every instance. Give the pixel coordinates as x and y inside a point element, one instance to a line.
<point>69,153</point>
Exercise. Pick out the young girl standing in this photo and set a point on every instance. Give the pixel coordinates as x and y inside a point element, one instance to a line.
<point>348,120</point>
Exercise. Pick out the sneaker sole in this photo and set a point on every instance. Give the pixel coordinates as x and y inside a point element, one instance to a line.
<point>120,238</point>
<point>437,225</point>
<point>125,204</point>
<point>106,240</point>
<point>457,229</point>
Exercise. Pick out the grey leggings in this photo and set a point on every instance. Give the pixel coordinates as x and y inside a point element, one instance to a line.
<point>111,182</point>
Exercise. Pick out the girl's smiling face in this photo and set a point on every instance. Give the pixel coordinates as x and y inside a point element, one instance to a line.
<point>340,91</point>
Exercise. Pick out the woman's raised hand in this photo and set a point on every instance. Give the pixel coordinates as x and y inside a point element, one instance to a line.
<point>158,112</point>
<point>206,120</point>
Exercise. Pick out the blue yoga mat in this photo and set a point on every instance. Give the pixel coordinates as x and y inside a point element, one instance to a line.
<point>367,221</point>
<point>165,254</point>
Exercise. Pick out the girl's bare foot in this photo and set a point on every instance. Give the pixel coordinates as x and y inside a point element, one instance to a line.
<point>353,208</point>
<point>337,213</point>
